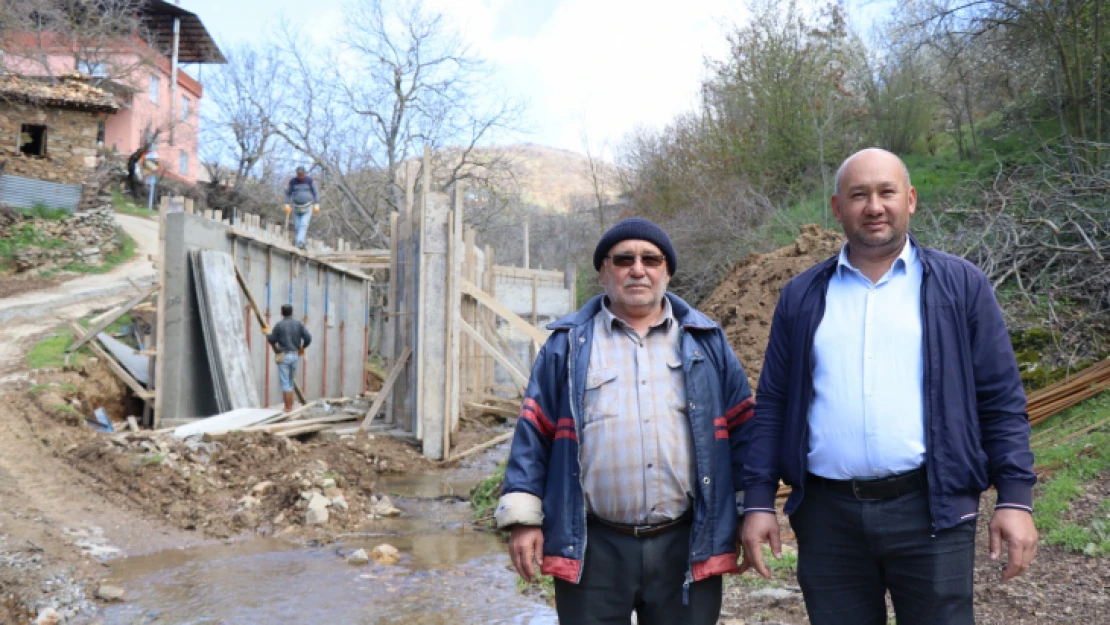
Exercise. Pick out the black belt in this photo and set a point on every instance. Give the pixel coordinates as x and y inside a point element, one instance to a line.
<point>873,489</point>
<point>645,531</point>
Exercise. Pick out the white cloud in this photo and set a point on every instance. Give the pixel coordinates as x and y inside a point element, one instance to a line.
<point>608,65</point>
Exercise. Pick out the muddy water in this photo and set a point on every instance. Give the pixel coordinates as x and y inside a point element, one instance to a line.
<point>448,573</point>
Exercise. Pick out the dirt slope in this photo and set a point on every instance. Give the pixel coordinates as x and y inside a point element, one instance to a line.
<point>744,302</point>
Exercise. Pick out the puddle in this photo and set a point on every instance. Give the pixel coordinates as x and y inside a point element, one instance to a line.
<point>449,574</point>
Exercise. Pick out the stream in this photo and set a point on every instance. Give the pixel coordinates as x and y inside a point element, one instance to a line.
<point>448,573</point>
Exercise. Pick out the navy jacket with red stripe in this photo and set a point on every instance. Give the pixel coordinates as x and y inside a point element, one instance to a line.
<point>544,458</point>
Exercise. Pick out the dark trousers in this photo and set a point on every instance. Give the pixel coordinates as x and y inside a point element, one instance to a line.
<point>623,574</point>
<point>851,552</point>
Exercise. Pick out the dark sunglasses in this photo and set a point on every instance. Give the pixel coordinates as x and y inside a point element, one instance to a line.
<point>627,260</point>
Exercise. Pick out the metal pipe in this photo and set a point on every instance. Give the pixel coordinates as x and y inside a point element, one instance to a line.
<point>324,360</point>
<point>173,76</point>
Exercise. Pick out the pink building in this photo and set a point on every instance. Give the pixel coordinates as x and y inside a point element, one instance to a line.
<point>140,75</point>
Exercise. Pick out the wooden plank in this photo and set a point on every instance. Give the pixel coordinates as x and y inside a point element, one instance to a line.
<point>226,422</point>
<point>497,410</point>
<point>537,335</point>
<point>263,326</point>
<point>289,249</point>
<point>116,368</point>
<point>519,378</point>
<point>497,440</point>
<point>386,387</point>
<point>116,314</point>
<point>227,335</point>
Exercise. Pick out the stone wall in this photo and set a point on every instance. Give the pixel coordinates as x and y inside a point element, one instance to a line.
<point>85,237</point>
<point>70,143</point>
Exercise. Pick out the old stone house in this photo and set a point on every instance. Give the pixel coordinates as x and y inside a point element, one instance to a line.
<point>49,131</point>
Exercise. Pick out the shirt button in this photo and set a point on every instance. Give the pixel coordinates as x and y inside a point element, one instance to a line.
<point>643,382</point>
<point>691,405</point>
<point>705,480</point>
<point>582,339</point>
<point>649,465</point>
<point>697,354</point>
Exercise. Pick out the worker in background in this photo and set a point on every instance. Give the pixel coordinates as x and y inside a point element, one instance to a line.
<point>890,399</point>
<point>289,339</point>
<point>302,200</point>
<point>621,478</point>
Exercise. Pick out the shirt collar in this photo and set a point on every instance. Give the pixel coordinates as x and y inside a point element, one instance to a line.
<point>665,320</point>
<point>906,257</point>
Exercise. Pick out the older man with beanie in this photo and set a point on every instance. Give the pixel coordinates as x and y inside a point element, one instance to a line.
<point>621,479</point>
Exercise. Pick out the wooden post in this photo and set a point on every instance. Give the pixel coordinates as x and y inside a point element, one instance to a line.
<point>421,290</point>
<point>527,245</point>
<point>535,347</point>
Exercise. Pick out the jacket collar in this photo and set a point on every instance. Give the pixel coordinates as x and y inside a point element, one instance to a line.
<point>685,314</point>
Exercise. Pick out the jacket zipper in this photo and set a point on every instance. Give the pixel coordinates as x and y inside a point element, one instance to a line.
<point>578,434</point>
<point>694,441</point>
<point>927,407</point>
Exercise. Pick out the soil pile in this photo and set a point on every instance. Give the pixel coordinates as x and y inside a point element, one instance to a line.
<point>744,302</point>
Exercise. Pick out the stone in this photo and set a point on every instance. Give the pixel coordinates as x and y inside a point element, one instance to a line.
<point>110,593</point>
<point>358,558</point>
<point>49,616</point>
<point>262,488</point>
<point>316,516</point>
<point>777,594</point>
<point>317,512</point>
<point>247,502</point>
<point>382,507</point>
<point>328,483</point>
<point>385,554</point>
<point>339,503</point>
<point>279,519</point>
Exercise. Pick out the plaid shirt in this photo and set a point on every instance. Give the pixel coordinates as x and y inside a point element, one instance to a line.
<point>637,452</point>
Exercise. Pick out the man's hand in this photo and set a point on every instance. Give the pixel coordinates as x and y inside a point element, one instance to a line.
<point>526,545</point>
<point>300,352</point>
<point>1015,528</point>
<point>288,209</point>
<point>315,208</point>
<point>759,528</point>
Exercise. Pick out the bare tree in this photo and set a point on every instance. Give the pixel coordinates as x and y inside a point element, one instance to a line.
<point>418,84</point>
<point>107,39</point>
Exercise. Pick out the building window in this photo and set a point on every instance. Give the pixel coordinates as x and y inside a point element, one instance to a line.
<point>155,87</point>
<point>184,109</point>
<point>32,139</point>
<point>100,128</point>
<point>183,162</point>
<point>92,68</point>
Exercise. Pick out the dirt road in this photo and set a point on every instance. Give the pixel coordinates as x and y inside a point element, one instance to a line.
<point>27,316</point>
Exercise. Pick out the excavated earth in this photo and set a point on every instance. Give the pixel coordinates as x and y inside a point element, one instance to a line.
<point>744,302</point>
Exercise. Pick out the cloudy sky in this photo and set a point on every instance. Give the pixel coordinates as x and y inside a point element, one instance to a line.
<point>593,67</point>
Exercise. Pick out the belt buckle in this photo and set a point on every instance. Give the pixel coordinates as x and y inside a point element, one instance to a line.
<point>637,529</point>
<point>855,491</point>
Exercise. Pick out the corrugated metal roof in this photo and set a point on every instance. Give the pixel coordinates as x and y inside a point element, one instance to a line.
<point>20,192</point>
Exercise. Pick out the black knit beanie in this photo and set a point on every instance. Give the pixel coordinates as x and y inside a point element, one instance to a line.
<point>636,228</point>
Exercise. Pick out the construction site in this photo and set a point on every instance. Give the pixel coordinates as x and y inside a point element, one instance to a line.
<point>158,458</point>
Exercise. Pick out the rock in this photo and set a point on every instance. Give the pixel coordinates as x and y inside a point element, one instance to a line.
<point>247,502</point>
<point>279,519</point>
<point>49,616</point>
<point>358,558</point>
<point>382,507</point>
<point>245,518</point>
<point>317,513</point>
<point>110,593</point>
<point>262,488</point>
<point>328,483</point>
<point>385,554</point>
<point>316,516</point>
<point>777,594</point>
<point>339,503</point>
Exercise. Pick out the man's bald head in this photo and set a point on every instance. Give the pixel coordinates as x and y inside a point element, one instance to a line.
<point>844,166</point>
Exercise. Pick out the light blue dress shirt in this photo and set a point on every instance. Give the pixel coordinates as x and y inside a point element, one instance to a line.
<point>867,415</point>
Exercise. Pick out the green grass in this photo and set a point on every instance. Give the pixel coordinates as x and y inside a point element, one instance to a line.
<point>124,253</point>
<point>124,205</point>
<point>42,211</point>
<point>484,496</point>
<point>41,388</point>
<point>50,351</point>
<point>1076,462</point>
